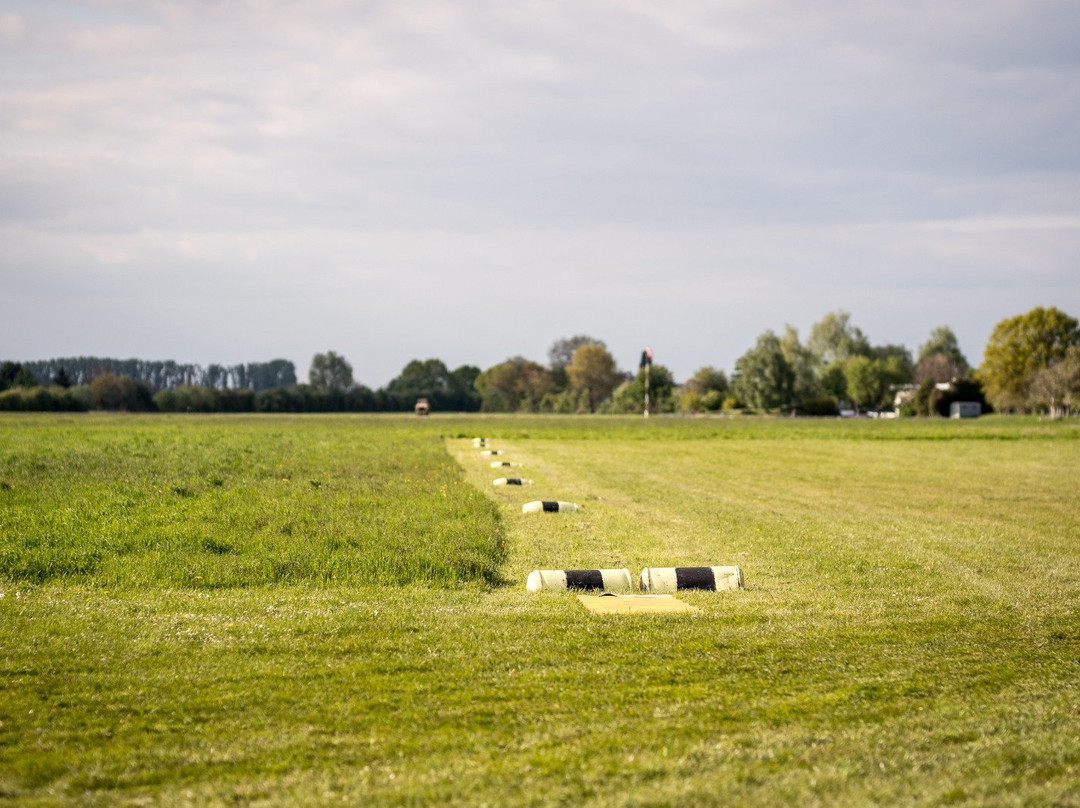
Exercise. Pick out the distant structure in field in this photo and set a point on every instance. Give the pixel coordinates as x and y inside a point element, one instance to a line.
<point>422,407</point>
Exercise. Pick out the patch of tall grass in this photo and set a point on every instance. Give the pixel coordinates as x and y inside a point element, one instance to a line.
<point>237,501</point>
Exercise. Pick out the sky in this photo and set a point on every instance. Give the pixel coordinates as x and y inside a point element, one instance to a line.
<point>227,182</point>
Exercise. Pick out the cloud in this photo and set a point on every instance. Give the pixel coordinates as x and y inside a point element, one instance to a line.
<point>475,180</point>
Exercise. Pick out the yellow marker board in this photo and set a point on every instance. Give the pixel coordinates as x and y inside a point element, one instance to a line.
<point>634,604</point>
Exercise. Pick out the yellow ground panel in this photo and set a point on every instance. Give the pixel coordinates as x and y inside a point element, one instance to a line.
<point>634,604</point>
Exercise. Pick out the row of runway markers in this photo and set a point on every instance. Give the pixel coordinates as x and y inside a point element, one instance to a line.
<point>539,506</point>
<point>654,580</point>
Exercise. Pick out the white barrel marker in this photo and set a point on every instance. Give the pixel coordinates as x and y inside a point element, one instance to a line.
<point>512,481</point>
<point>504,464</point>
<point>491,452</point>
<point>560,580</point>
<point>548,506</point>
<point>673,579</point>
<point>479,443</point>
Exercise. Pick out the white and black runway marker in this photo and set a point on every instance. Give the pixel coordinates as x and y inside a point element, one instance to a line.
<point>512,481</point>
<point>549,506</point>
<point>560,580</point>
<point>674,579</point>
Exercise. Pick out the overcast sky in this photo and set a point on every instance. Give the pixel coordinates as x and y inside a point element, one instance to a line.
<point>212,181</point>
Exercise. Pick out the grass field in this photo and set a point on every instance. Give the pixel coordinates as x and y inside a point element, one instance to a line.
<point>201,610</point>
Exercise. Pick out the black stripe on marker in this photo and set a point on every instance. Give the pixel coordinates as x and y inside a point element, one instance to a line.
<point>584,579</point>
<point>695,578</point>
<point>513,481</point>
<point>551,507</point>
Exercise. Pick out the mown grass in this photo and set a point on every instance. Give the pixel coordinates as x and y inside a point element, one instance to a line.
<point>910,632</point>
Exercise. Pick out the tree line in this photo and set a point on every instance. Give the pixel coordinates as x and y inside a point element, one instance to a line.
<point>1031,364</point>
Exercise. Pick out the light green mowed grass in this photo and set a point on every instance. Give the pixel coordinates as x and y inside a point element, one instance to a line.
<point>910,631</point>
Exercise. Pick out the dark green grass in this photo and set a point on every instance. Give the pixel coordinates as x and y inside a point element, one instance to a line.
<point>909,634</point>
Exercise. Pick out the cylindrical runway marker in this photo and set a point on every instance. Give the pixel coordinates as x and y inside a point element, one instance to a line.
<point>558,580</point>
<point>479,442</point>
<point>512,481</point>
<point>548,506</point>
<point>491,452</point>
<point>504,464</point>
<point>672,579</point>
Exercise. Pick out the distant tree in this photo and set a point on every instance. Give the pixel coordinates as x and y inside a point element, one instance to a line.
<point>463,394</point>
<point>561,353</point>
<point>898,362</point>
<point>763,378</point>
<point>834,380</point>
<point>111,391</point>
<point>268,375</point>
<point>216,377</point>
<point>330,373</point>
<point>1057,387</point>
<point>431,379</point>
<point>943,342</point>
<point>15,374</point>
<point>1018,348</point>
<point>592,373</point>
<point>705,390</point>
<point>935,367</point>
<point>867,383</point>
<point>834,338</point>
<point>518,384</point>
<point>61,378</point>
<point>804,365</point>
<point>629,397</point>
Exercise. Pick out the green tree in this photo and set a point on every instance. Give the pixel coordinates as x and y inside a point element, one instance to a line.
<point>898,362</point>
<point>763,378</point>
<point>431,379</point>
<point>330,373</point>
<point>834,338</point>
<point>111,391</point>
<point>518,384</point>
<point>834,380</point>
<point>1018,348</point>
<point>867,381</point>
<point>15,374</point>
<point>561,354</point>
<point>943,342</point>
<point>629,397</point>
<point>705,390</point>
<point>940,358</point>
<point>61,378</point>
<point>592,374</point>
<point>803,364</point>
<point>462,394</point>
<point>1057,387</point>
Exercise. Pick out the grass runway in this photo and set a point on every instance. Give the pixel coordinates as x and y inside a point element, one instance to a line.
<point>270,610</point>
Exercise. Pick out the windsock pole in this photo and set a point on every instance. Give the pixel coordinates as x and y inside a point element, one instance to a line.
<point>646,363</point>
<point>647,366</point>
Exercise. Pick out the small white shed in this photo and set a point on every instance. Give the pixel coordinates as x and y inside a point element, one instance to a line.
<point>965,409</point>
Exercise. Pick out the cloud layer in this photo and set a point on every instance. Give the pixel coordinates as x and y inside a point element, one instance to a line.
<point>235,182</point>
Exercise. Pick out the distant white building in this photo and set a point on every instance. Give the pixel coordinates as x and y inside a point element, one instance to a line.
<point>965,409</point>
